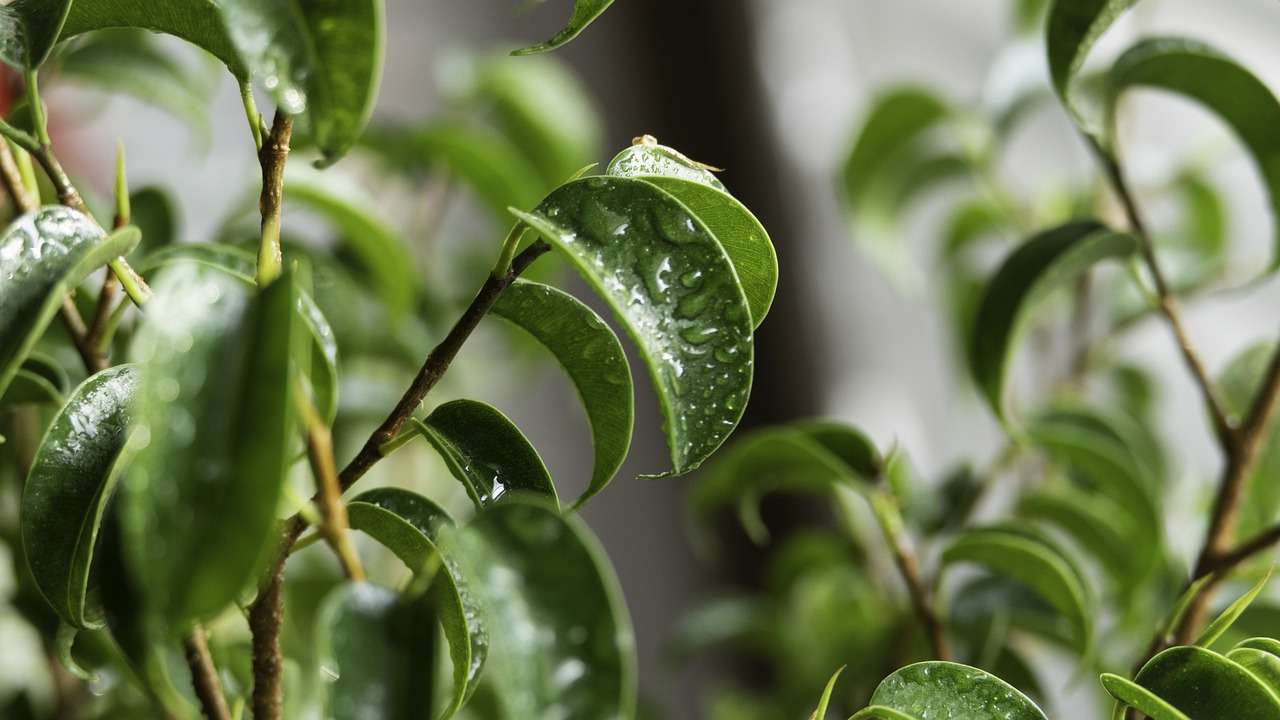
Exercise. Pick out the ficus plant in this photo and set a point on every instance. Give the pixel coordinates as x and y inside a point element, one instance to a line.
<point>185,423</point>
<point>1047,566</point>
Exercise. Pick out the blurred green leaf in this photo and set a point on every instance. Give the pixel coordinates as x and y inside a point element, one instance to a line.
<point>155,213</point>
<point>670,283</point>
<point>29,29</point>
<point>73,476</point>
<point>409,524</point>
<point>1095,523</point>
<point>945,689</point>
<point>743,238</point>
<point>1204,685</point>
<point>1039,266</point>
<point>381,648</point>
<point>40,380</point>
<point>1071,30</point>
<point>213,423</point>
<point>593,359</point>
<point>565,645</point>
<point>584,13</point>
<point>43,256</point>
<point>485,452</point>
<point>1034,562</point>
<point>324,59</point>
<point>197,21</point>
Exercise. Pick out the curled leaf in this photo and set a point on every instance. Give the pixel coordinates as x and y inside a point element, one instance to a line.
<point>584,13</point>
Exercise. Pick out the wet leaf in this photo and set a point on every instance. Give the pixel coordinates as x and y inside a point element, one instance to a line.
<point>584,13</point>
<point>1204,685</point>
<point>743,238</point>
<point>593,359</point>
<point>29,29</point>
<point>409,524</point>
<point>43,256</point>
<point>322,58</point>
<point>1039,266</point>
<point>566,646</point>
<point>197,21</point>
<point>1200,73</point>
<point>212,439</point>
<point>672,286</point>
<point>1131,694</point>
<point>1034,562</point>
<point>73,476</point>
<point>381,647</point>
<point>485,451</point>
<point>948,690</point>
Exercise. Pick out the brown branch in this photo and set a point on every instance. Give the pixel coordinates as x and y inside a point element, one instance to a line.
<point>266,616</point>
<point>885,508</point>
<point>204,676</point>
<point>272,157</point>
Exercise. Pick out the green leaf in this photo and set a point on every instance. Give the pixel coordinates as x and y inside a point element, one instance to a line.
<point>485,451</point>
<point>1199,72</point>
<point>409,525</point>
<point>1039,266</point>
<point>1072,29</point>
<point>321,58</point>
<point>670,283</point>
<point>213,423</point>
<point>1264,666</point>
<point>1131,694</point>
<point>40,380</point>
<point>820,712</point>
<point>592,357</point>
<point>565,646</point>
<point>29,29</point>
<point>353,214</point>
<point>948,690</point>
<point>155,212</point>
<point>1204,685</point>
<point>199,22</point>
<point>1034,562</point>
<point>743,238</point>
<point>66,493</point>
<point>1232,613</point>
<point>1096,524</point>
<point>43,256</point>
<point>584,13</point>
<point>381,647</point>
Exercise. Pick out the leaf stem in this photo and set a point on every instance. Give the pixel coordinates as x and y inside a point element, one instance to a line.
<point>333,512</point>
<point>204,676</point>
<point>272,155</point>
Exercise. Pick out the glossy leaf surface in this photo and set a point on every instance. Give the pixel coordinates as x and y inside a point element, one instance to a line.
<point>485,452</point>
<point>1033,562</point>
<point>43,256</point>
<point>948,690</point>
<point>323,58</point>
<point>565,645</point>
<point>743,238</point>
<point>1133,695</point>
<point>408,525</point>
<point>211,440</point>
<point>1200,73</point>
<point>673,287</point>
<point>381,648</point>
<point>584,13</point>
<point>1042,264</point>
<point>29,29</point>
<point>1204,685</point>
<point>593,359</point>
<point>196,21</point>
<point>66,493</point>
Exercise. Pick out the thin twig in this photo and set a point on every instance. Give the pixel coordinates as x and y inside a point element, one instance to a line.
<point>272,157</point>
<point>204,676</point>
<point>885,509</point>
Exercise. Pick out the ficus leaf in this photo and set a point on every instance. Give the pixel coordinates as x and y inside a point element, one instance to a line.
<point>43,256</point>
<point>1095,523</point>
<point>1231,613</point>
<point>593,359</point>
<point>155,212</point>
<point>408,525</point>
<point>1264,666</point>
<point>584,13</point>
<point>29,29</point>
<point>566,640</point>
<point>322,58</point>
<point>381,648</point>
<point>743,238</point>
<point>72,478</point>
<point>212,414</point>
<point>1071,30</point>
<point>820,712</point>
<point>1128,693</point>
<point>1034,562</point>
<point>485,452</point>
<point>946,689</point>
<point>670,283</point>
<point>1042,264</point>
<point>196,21</point>
<point>1204,685</point>
<point>1199,72</point>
